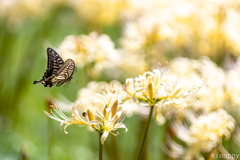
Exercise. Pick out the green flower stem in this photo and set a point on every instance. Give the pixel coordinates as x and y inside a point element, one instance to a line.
<point>100,147</point>
<point>115,148</point>
<point>108,149</point>
<point>146,131</point>
<point>50,138</point>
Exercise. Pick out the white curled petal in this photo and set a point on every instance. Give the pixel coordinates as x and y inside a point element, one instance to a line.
<point>95,122</point>
<point>99,100</point>
<point>117,115</point>
<point>101,97</point>
<point>99,114</point>
<point>148,73</point>
<point>61,125</point>
<point>104,136</point>
<point>162,94</point>
<point>66,128</point>
<point>140,89</point>
<point>130,85</point>
<point>120,125</point>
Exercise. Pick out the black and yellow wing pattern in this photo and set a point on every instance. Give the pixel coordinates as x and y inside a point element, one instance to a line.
<point>65,73</point>
<point>57,71</point>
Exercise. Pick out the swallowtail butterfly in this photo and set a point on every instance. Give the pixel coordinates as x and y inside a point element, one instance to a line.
<point>58,71</point>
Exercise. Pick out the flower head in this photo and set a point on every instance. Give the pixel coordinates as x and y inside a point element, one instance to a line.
<point>155,86</point>
<point>110,117</point>
<point>204,133</point>
<point>74,119</point>
<point>188,70</point>
<point>146,86</point>
<point>105,122</point>
<point>89,50</point>
<point>110,120</point>
<point>99,13</point>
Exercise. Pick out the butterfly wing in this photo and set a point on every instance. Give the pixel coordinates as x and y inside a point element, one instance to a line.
<point>65,73</point>
<point>55,62</point>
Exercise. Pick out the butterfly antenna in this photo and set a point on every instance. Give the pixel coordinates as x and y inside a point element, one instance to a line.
<point>76,81</point>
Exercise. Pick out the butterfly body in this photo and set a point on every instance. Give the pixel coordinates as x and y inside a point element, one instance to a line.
<point>58,71</point>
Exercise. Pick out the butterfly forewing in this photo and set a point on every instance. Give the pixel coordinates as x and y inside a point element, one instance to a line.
<point>65,73</point>
<point>55,62</point>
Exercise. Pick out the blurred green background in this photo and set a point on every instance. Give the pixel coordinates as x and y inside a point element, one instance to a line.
<point>25,131</point>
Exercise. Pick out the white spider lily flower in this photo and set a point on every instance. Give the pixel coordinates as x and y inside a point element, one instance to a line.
<point>110,118</point>
<point>93,51</point>
<point>109,122</point>
<point>155,86</point>
<point>74,119</point>
<point>203,134</point>
<point>188,70</point>
<point>172,93</point>
<point>146,86</point>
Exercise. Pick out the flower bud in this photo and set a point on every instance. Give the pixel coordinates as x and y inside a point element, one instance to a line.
<point>150,91</point>
<point>114,108</point>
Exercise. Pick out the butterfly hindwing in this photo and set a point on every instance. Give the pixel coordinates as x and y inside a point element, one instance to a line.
<point>57,70</point>
<point>65,73</point>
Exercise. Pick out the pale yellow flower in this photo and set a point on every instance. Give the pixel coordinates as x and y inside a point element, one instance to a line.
<point>188,70</point>
<point>153,87</point>
<point>110,121</point>
<point>231,29</point>
<point>204,133</point>
<point>146,86</point>
<point>89,94</point>
<point>105,122</point>
<point>92,51</point>
<point>16,11</point>
<point>125,64</point>
<point>93,88</point>
<point>185,27</point>
<point>233,87</point>
<point>110,118</point>
<point>100,13</point>
<point>74,119</point>
<point>175,95</point>
<point>176,100</point>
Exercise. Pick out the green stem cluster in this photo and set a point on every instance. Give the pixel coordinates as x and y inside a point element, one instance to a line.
<point>146,132</point>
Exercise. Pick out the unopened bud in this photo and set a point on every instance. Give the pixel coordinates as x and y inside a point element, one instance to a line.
<point>114,108</point>
<point>91,118</point>
<point>150,91</point>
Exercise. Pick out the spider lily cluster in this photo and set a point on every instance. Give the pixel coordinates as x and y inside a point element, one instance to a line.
<point>199,112</point>
<point>173,101</point>
<point>168,94</point>
<point>204,133</point>
<point>106,121</point>
<point>150,88</point>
